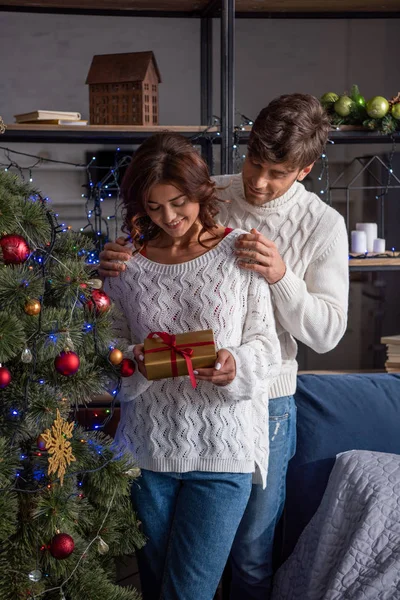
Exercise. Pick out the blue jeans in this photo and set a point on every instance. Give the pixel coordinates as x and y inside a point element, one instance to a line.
<point>190,520</point>
<point>251,555</point>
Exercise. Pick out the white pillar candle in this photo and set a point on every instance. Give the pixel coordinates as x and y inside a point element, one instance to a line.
<point>358,242</point>
<point>371,231</point>
<point>379,246</point>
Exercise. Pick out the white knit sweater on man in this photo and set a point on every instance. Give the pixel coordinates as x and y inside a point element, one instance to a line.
<point>167,425</point>
<point>311,300</point>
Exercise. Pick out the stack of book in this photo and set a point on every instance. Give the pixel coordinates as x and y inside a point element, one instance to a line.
<point>50,117</point>
<point>392,363</point>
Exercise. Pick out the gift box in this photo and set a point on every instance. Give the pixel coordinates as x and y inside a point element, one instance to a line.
<point>167,355</point>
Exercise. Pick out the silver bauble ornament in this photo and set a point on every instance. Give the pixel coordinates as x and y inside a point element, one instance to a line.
<point>35,575</point>
<point>26,356</point>
<point>102,547</point>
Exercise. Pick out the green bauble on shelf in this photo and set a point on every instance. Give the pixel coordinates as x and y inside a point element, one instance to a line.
<point>344,106</point>
<point>329,99</point>
<point>396,111</point>
<point>377,107</point>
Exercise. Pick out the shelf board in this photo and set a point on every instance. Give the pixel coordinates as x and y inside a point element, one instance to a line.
<point>86,134</point>
<point>348,136</point>
<point>316,6</point>
<point>374,264</point>
<point>134,7</point>
<point>197,8</point>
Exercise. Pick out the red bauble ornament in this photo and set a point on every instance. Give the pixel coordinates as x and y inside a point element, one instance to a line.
<point>61,546</point>
<point>67,363</point>
<point>99,300</point>
<point>5,377</point>
<point>15,249</point>
<point>128,367</point>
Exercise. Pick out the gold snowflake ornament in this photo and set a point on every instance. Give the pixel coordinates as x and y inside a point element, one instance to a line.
<point>59,447</point>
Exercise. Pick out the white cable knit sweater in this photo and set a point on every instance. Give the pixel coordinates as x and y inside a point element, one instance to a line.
<point>166,424</point>
<point>311,300</point>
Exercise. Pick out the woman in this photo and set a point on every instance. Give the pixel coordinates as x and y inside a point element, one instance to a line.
<point>198,448</point>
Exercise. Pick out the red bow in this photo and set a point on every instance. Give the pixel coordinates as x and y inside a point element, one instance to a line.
<point>170,341</point>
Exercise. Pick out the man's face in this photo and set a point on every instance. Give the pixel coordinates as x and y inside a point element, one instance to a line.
<point>266,181</point>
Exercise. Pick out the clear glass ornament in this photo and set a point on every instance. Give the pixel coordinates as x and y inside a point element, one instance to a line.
<point>26,356</point>
<point>69,344</point>
<point>103,547</point>
<point>133,472</point>
<point>96,284</point>
<point>35,575</point>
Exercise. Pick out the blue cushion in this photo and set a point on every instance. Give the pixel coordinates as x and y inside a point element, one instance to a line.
<point>336,413</point>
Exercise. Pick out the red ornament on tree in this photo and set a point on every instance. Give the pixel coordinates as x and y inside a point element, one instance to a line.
<point>99,300</point>
<point>128,367</point>
<point>61,546</point>
<point>15,249</point>
<point>5,377</point>
<point>67,363</point>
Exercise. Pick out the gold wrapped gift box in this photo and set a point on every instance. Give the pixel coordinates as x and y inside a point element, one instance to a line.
<point>168,355</point>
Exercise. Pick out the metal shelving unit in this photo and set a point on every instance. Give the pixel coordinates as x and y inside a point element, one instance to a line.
<point>205,10</point>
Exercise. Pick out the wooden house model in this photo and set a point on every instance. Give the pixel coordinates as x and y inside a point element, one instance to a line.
<point>123,89</point>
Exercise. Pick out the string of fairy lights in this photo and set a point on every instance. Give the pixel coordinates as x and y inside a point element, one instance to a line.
<point>105,186</point>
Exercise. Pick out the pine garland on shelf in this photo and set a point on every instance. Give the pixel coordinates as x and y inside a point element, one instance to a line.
<point>376,114</point>
<point>65,511</point>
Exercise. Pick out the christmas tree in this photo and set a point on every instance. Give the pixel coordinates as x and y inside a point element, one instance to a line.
<point>65,511</point>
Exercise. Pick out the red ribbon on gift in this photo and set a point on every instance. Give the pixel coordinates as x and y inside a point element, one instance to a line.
<point>170,341</point>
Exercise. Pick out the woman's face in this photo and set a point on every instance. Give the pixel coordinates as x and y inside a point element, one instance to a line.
<point>171,210</point>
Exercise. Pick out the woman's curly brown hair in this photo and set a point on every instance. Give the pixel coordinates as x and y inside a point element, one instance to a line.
<point>166,158</point>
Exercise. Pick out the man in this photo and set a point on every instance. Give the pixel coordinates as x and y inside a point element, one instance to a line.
<point>299,244</point>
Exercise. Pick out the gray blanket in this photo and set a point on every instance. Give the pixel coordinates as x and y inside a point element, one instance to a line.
<point>351,547</point>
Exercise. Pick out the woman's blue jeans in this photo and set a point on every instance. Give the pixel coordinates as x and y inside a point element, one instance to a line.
<point>251,555</point>
<point>190,520</point>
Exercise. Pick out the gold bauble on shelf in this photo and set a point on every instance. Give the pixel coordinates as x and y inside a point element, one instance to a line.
<point>116,357</point>
<point>32,307</point>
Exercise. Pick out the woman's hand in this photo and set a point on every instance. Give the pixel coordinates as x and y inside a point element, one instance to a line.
<point>114,251</point>
<point>223,372</point>
<point>138,353</point>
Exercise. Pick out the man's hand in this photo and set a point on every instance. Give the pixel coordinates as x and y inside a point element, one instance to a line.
<point>223,372</point>
<point>138,353</point>
<point>114,251</point>
<point>268,261</point>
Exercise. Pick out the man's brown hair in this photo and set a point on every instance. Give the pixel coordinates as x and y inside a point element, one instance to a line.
<point>292,129</point>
